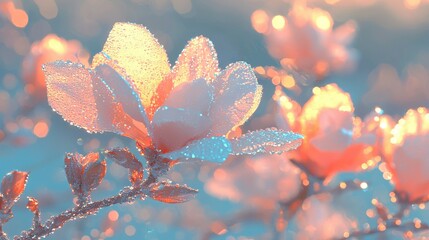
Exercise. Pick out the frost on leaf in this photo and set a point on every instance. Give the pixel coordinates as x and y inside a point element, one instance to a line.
<point>266,141</point>
<point>84,173</point>
<point>173,193</point>
<point>215,149</point>
<point>237,95</point>
<point>126,159</point>
<point>33,205</point>
<point>12,187</point>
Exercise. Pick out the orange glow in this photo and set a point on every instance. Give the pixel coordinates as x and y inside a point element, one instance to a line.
<point>113,216</point>
<point>56,45</point>
<point>412,4</point>
<point>278,22</point>
<point>19,18</point>
<point>288,81</point>
<point>322,20</point>
<point>41,129</point>
<point>260,21</point>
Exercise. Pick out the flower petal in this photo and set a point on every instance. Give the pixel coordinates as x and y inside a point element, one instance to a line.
<point>137,51</point>
<point>78,96</point>
<point>123,91</point>
<point>195,95</point>
<point>266,141</point>
<point>214,149</point>
<point>173,128</point>
<point>197,60</point>
<point>237,95</point>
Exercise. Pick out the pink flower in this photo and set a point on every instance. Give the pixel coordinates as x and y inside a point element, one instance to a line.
<point>406,157</point>
<point>49,49</point>
<point>261,181</point>
<point>334,140</point>
<point>306,40</point>
<point>182,113</point>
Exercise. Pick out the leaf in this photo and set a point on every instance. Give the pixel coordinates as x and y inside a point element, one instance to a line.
<point>126,159</point>
<point>237,94</point>
<point>93,175</point>
<point>33,205</point>
<point>215,149</point>
<point>173,193</point>
<point>12,187</point>
<point>270,141</point>
<point>83,172</point>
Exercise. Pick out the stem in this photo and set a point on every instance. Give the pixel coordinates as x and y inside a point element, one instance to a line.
<point>81,211</point>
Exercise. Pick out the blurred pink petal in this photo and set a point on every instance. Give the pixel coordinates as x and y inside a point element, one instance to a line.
<point>173,193</point>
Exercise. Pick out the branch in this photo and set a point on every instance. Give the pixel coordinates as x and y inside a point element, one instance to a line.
<point>408,226</point>
<point>52,224</point>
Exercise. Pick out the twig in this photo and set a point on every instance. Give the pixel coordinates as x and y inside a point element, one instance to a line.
<point>128,194</point>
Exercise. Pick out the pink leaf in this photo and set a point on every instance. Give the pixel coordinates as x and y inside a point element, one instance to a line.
<point>12,187</point>
<point>173,193</point>
<point>93,175</point>
<point>84,173</point>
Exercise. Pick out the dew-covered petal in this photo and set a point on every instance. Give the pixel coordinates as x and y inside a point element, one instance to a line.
<point>214,149</point>
<point>266,141</point>
<point>162,92</point>
<point>197,60</point>
<point>237,95</point>
<point>123,91</point>
<point>137,51</point>
<point>173,128</point>
<point>195,95</point>
<point>79,96</point>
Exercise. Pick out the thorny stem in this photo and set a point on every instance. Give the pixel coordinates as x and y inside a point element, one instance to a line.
<point>80,211</point>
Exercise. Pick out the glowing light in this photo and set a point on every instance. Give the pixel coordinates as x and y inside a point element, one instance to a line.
<point>323,20</point>
<point>19,18</point>
<point>343,185</point>
<point>363,185</point>
<point>113,216</point>
<point>260,21</point>
<point>41,129</point>
<point>130,230</point>
<point>278,22</point>
<point>288,81</point>
<point>55,44</point>
<point>412,4</point>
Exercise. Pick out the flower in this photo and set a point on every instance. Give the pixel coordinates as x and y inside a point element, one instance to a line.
<point>334,140</point>
<point>49,49</point>
<point>305,39</point>
<point>182,113</point>
<point>406,157</point>
<point>263,180</point>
